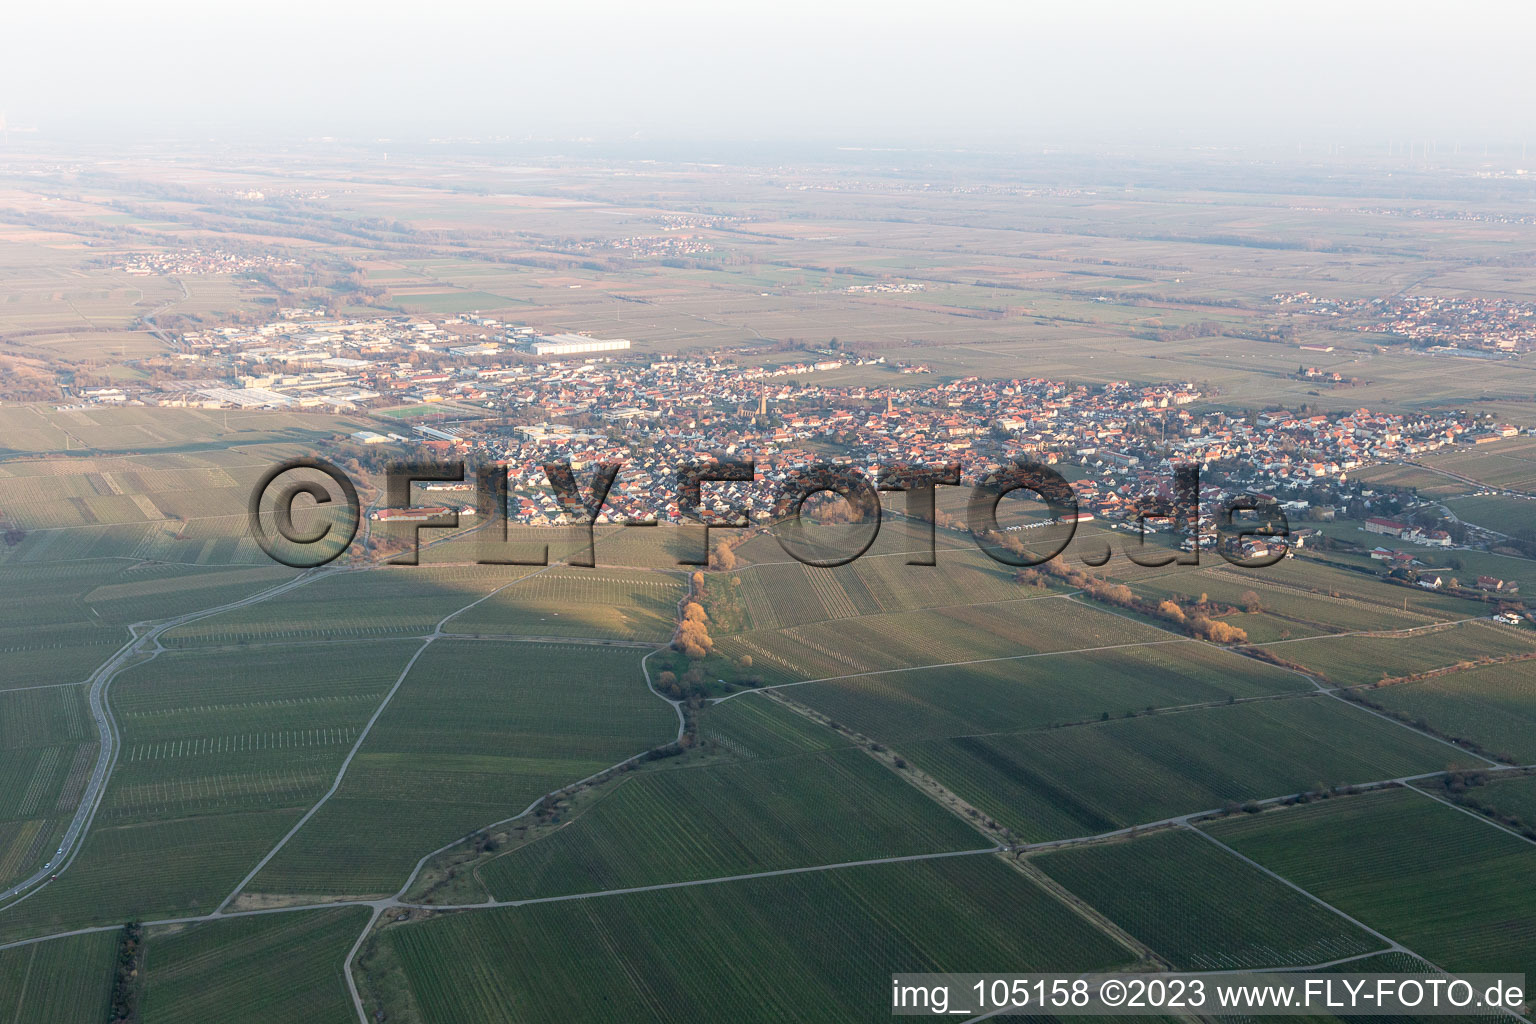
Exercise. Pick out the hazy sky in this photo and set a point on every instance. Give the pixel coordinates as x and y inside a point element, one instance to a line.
<point>836,70</point>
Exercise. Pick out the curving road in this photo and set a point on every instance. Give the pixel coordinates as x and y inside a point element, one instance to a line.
<point>146,643</point>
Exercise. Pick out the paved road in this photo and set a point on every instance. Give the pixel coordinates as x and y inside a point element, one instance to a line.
<point>145,643</point>
<point>379,906</point>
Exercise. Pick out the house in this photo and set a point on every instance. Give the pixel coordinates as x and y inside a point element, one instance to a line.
<point>1391,527</point>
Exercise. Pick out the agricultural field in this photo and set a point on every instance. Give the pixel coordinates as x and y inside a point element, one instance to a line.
<point>349,605</point>
<point>49,633</point>
<point>166,868</point>
<point>47,748</point>
<point>39,430</point>
<point>940,636</point>
<point>1494,706</point>
<point>1514,797</point>
<point>319,746</point>
<point>748,727</point>
<point>1089,779</point>
<point>687,824</point>
<point>102,490</point>
<point>273,969</point>
<point>776,595</point>
<point>68,979</point>
<point>219,754</point>
<point>1473,906</point>
<point>617,547</point>
<point>1507,464</point>
<point>177,506</point>
<point>758,950</point>
<point>1362,660</point>
<point>1426,482</point>
<point>144,593</point>
<point>1313,578</point>
<point>478,731</point>
<point>1502,513</point>
<point>1201,907</point>
<point>64,618</point>
<point>605,603</point>
<point>899,538</point>
<point>454,302</point>
<point>1283,611</point>
<point>1039,692</point>
<point>213,732</point>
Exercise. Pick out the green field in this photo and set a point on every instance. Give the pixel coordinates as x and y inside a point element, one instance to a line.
<point>210,732</point>
<point>1384,602</point>
<point>455,302</point>
<point>680,825</point>
<point>389,601</point>
<point>1361,660</point>
<point>58,981</point>
<point>1502,513</point>
<point>1201,907</point>
<point>155,869</point>
<point>186,505</point>
<point>941,636</point>
<point>605,603</point>
<point>47,750</point>
<point>493,726</point>
<point>1287,610</point>
<point>1473,902</point>
<point>220,753</point>
<point>478,732</point>
<point>1513,797</point>
<point>1426,482</point>
<point>274,969</point>
<point>1510,463</point>
<point>761,950</point>
<point>750,727</point>
<point>1494,706</point>
<point>1095,778</point>
<point>50,632</point>
<point>1040,692</point>
<point>781,593</point>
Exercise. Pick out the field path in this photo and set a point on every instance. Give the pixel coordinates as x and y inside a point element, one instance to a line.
<point>147,645</point>
<point>362,737</point>
<point>380,906</point>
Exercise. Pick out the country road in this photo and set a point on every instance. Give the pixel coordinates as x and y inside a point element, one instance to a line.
<point>1187,820</point>
<point>148,644</point>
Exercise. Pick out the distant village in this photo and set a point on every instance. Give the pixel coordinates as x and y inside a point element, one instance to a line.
<point>642,246</point>
<point>477,387</point>
<point>1461,325</point>
<point>199,261</point>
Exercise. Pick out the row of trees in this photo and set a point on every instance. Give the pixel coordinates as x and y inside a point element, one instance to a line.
<point>125,983</point>
<point>692,638</point>
<point>1197,620</point>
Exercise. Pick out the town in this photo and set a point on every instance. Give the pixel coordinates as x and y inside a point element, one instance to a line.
<point>1471,326</point>
<point>477,387</point>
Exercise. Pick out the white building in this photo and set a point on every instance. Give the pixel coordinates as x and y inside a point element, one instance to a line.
<point>575,344</point>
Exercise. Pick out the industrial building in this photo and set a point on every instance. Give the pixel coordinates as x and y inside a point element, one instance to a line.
<point>575,345</point>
